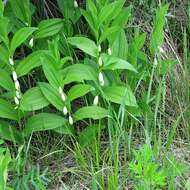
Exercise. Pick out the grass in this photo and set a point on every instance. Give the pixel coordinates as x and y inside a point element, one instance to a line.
<point>143,151</point>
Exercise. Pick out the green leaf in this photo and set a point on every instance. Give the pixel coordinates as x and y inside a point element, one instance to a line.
<point>78,73</point>
<point>157,38</point>
<point>120,95</point>
<point>78,91</point>
<point>7,110</point>
<point>93,112</point>
<point>6,81</point>
<point>10,133</point>
<point>84,44</point>
<point>52,95</point>
<point>21,10</point>
<point>4,30</point>
<point>21,36</point>
<point>30,62</point>
<point>49,27</point>
<point>90,131</point>
<point>67,130</point>
<point>43,122</point>
<point>1,8</point>
<point>33,100</point>
<point>113,63</point>
<point>51,72</point>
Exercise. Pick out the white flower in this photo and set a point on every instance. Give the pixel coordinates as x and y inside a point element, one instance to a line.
<point>65,111</point>
<point>100,62</point>
<point>161,49</point>
<point>11,61</point>
<point>99,48</point>
<point>18,94</point>
<point>31,42</point>
<point>75,4</point>
<point>16,100</point>
<point>70,120</point>
<point>101,79</point>
<point>109,51</point>
<point>155,61</point>
<point>96,100</point>
<point>14,76</point>
<point>17,85</point>
<point>63,97</point>
<point>60,91</point>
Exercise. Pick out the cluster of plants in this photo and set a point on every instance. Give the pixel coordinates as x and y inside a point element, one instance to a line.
<point>81,75</point>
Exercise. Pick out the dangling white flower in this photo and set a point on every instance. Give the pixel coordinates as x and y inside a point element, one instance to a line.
<point>14,76</point>
<point>70,120</point>
<point>155,61</point>
<point>101,79</point>
<point>75,4</point>
<point>63,97</point>
<point>96,100</point>
<point>18,94</point>
<point>99,48</point>
<point>65,111</point>
<point>161,49</point>
<point>100,62</point>
<point>16,100</point>
<point>109,51</point>
<point>11,62</point>
<point>31,42</point>
<point>60,91</point>
<point>17,85</point>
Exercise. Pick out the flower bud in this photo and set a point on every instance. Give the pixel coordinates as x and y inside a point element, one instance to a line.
<point>155,61</point>
<point>18,94</point>
<point>100,62</point>
<point>75,4</point>
<point>96,100</point>
<point>63,97</point>
<point>16,100</point>
<point>11,62</point>
<point>109,51</point>
<point>161,49</point>
<point>101,79</point>
<point>70,120</point>
<point>14,76</point>
<point>99,48</point>
<point>60,91</point>
<point>65,111</point>
<point>17,85</point>
<point>31,42</point>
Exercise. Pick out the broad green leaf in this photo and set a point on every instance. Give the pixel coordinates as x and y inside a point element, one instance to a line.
<point>21,10</point>
<point>21,36</point>
<point>89,134</point>
<point>30,62</point>
<point>43,122</point>
<point>51,72</point>
<point>108,32</point>
<point>33,100</point>
<point>6,81</point>
<point>78,73</point>
<point>120,95</point>
<point>85,44</point>
<point>67,130</point>
<point>7,110</point>
<point>4,30</point>
<point>113,63</point>
<point>1,8</point>
<point>52,95</point>
<point>4,162</point>
<point>157,37</point>
<point>135,47</point>
<point>78,91</point>
<point>93,112</point>
<point>48,28</point>
<point>10,133</point>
